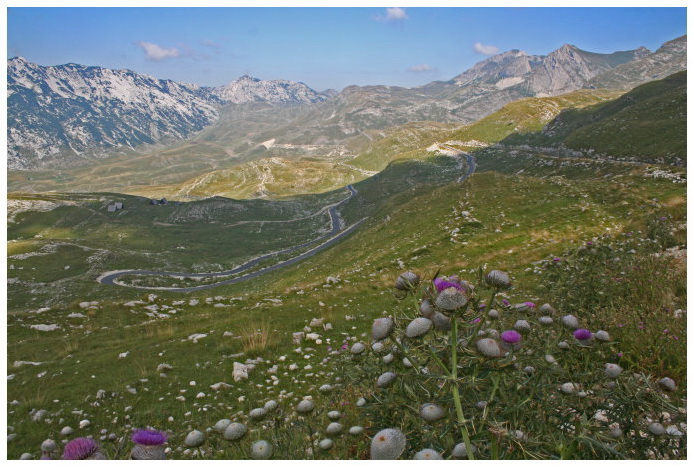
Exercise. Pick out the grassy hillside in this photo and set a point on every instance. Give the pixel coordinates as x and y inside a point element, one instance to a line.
<point>530,208</point>
<point>648,123</point>
<point>229,159</point>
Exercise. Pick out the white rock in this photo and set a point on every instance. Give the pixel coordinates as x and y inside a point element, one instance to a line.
<point>44,327</point>
<point>240,372</point>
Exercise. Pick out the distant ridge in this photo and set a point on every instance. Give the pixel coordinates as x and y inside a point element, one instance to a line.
<point>68,115</point>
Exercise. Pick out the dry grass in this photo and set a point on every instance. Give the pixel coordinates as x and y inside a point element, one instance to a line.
<point>257,340</point>
<point>159,330</point>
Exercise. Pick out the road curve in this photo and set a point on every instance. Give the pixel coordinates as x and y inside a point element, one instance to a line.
<point>335,234</point>
<point>111,278</point>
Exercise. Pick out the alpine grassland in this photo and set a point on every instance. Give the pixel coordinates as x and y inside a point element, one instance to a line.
<point>542,316</point>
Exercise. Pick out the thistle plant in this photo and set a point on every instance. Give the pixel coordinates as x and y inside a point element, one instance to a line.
<point>501,386</point>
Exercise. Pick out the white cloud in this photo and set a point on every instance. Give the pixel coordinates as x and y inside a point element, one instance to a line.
<point>395,14</point>
<point>421,68</point>
<point>392,14</point>
<point>157,53</point>
<point>485,49</point>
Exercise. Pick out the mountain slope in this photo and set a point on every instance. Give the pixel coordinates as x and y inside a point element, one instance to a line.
<point>60,114</point>
<point>670,58</point>
<point>65,115</point>
<point>648,123</point>
<point>248,89</point>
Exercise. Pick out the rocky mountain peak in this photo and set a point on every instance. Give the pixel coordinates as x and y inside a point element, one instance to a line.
<point>249,89</point>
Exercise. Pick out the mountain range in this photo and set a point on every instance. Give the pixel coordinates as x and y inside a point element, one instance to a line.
<point>68,115</point>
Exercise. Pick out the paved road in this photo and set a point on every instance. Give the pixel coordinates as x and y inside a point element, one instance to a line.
<point>326,240</point>
<point>336,233</point>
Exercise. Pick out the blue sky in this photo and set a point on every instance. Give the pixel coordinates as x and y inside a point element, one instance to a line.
<point>323,47</point>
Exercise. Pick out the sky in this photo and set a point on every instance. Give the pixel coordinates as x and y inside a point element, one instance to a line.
<point>322,47</point>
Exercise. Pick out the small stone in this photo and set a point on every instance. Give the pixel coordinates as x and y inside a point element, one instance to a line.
<point>570,321</point>
<point>49,446</point>
<point>668,384</point>
<point>568,388</point>
<point>222,425</point>
<point>357,348</point>
<point>305,406</point>
<point>356,430</point>
<point>235,431</point>
<point>257,414</point>
<point>334,428</point>
<point>194,439</point>
<point>656,428</point>
<point>334,415</point>
<point>460,451</point>
<point>602,336</point>
<point>325,444</point>
<point>66,431</point>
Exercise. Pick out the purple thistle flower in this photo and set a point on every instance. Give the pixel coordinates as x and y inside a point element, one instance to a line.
<point>556,259</point>
<point>149,437</point>
<point>620,354</point>
<point>511,337</point>
<point>80,449</point>
<point>476,320</point>
<point>589,243</point>
<point>583,334</point>
<point>505,302</point>
<point>529,304</point>
<point>441,285</point>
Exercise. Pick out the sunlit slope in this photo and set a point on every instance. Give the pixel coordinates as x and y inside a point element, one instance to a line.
<point>648,123</point>
<point>184,169</point>
<point>264,178</point>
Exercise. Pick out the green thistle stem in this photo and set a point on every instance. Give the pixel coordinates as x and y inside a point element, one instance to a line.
<point>412,360</point>
<point>491,300</point>
<point>439,362</point>
<point>456,393</point>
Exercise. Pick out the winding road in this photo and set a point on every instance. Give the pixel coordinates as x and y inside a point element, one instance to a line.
<point>337,232</point>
